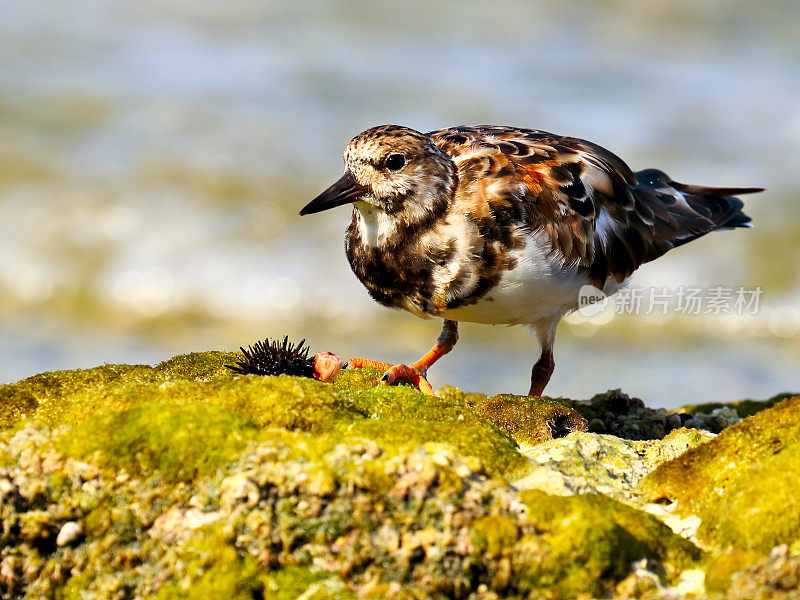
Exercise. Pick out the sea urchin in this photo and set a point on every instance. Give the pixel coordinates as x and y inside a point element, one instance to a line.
<point>272,357</point>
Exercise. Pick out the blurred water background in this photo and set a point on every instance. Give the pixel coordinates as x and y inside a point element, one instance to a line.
<point>154,155</point>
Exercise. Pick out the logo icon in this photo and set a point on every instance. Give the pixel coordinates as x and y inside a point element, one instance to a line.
<point>591,301</point>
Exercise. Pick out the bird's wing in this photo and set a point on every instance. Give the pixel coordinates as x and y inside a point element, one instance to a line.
<point>597,213</point>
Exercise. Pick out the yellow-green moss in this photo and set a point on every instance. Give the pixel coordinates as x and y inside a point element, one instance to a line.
<point>59,397</point>
<point>721,567</point>
<point>198,366</point>
<point>112,397</point>
<point>744,408</point>
<point>494,534</point>
<point>531,420</point>
<point>214,569</point>
<point>210,567</point>
<point>454,394</point>
<point>291,583</point>
<point>357,379</point>
<point>293,403</point>
<point>21,400</point>
<point>742,484</point>
<point>181,443</point>
<point>587,542</point>
<point>403,417</point>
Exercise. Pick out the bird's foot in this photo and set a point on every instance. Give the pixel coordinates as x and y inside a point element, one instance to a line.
<point>395,373</point>
<point>409,372</point>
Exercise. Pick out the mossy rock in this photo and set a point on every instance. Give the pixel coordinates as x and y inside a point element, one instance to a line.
<point>455,394</point>
<point>744,408</point>
<point>675,443</point>
<point>399,416</point>
<point>585,545</point>
<point>742,484</point>
<point>590,462</point>
<point>210,567</point>
<point>116,398</point>
<point>181,443</point>
<point>184,480</point>
<point>59,397</point>
<point>529,420</point>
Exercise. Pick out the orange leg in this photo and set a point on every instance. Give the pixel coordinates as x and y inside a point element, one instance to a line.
<point>418,371</point>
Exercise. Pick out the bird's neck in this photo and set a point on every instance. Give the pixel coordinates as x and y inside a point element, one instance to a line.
<point>389,260</point>
<point>375,227</point>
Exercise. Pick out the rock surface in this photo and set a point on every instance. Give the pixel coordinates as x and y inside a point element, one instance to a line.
<point>185,481</point>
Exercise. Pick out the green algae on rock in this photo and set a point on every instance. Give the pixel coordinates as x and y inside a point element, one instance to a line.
<point>743,484</point>
<point>531,420</point>
<point>353,521</point>
<point>183,481</point>
<point>60,397</point>
<point>602,540</point>
<point>181,443</point>
<point>398,416</point>
<point>743,408</point>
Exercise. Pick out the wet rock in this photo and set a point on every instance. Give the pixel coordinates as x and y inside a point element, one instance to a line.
<point>742,485</point>
<point>588,462</point>
<point>618,414</point>
<point>717,420</point>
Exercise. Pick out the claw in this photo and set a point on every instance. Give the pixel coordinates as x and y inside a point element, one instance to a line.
<point>394,373</point>
<point>410,372</point>
<point>417,372</point>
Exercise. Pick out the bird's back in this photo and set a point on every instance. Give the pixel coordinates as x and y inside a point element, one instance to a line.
<point>595,211</point>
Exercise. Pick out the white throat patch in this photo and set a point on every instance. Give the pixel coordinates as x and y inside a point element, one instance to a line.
<point>375,225</point>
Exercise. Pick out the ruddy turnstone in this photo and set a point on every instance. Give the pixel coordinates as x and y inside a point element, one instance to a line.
<point>493,224</point>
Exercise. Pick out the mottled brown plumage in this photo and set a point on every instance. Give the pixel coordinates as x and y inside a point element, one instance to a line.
<point>504,225</point>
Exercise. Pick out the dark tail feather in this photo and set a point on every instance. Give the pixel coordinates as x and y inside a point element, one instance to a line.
<point>717,191</point>
<point>738,220</point>
<point>725,208</point>
<point>712,207</point>
<point>719,205</point>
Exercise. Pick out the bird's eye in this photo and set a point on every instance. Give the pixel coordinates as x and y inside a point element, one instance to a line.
<point>395,162</point>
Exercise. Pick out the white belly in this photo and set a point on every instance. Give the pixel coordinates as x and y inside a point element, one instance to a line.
<point>540,288</point>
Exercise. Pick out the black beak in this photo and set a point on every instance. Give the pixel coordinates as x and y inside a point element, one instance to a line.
<point>344,191</point>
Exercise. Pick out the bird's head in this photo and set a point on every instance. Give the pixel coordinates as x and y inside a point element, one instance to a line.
<point>393,170</point>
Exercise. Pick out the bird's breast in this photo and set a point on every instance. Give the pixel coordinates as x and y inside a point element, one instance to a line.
<point>458,272</point>
<point>396,272</point>
<point>534,286</point>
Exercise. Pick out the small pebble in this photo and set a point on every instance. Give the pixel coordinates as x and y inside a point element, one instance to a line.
<point>70,532</point>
